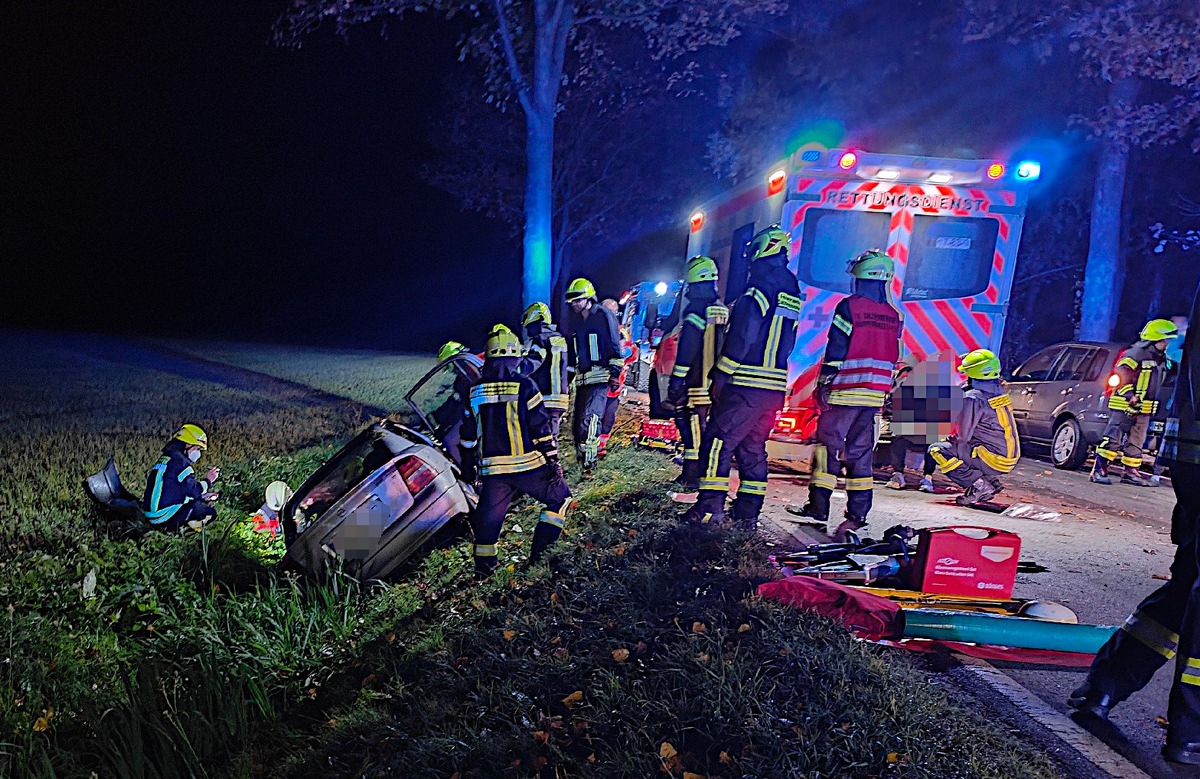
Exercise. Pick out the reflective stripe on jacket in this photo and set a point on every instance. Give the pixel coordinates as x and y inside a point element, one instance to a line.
<point>700,343</point>
<point>762,329</point>
<point>546,364</point>
<point>987,425</point>
<point>864,346</point>
<point>1140,370</point>
<point>508,427</point>
<point>170,485</point>
<point>596,344</point>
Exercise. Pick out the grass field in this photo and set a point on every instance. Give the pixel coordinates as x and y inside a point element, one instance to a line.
<point>636,653</point>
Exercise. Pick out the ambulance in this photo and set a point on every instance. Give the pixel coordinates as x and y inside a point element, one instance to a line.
<point>951,225</point>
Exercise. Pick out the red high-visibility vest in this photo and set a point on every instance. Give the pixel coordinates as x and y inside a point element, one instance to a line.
<point>865,376</point>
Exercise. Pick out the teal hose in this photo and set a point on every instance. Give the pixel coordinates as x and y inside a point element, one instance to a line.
<point>1000,630</point>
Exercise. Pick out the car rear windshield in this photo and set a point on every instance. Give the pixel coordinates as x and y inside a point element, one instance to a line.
<point>362,457</point>
<point>832,237</point>
<point>949,257</point>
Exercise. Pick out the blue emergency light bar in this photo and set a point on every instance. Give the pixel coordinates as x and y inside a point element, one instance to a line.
<point>1029,170</point>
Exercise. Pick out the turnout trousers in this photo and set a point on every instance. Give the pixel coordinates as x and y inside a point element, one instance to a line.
<point>691,421</point>
<point>845,436</point>
<point>545,485</point>
<point>1165,626</point>
<point>192,510</point>
<point>607,422</point>
<point>954,459</point>
<point>591,401</point>
<point>738,427</point>
<point>1124,437</point>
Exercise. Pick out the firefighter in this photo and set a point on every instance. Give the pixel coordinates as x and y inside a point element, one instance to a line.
<point>749,384</point>
<point>175,499</point>
<point>984,443</point>
<point>702,332</point>
<point>854,380</point>
<point>1166,625</point>
<point>513,448</point>
<point>595,346</point>
<point>545,353</point>
<point>1139,375</point>
<point>447,418</point>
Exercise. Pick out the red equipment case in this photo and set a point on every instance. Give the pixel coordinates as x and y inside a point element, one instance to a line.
<point>967,561</point>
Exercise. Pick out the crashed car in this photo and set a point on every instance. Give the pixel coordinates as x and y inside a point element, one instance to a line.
<point>385,494</point>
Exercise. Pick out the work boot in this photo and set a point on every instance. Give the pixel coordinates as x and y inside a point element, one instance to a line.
<point>1100,472</point>
<point>1131,476</point>
<point>1187,752</point>
<point>1089,701</point>
<point>896,482</point>
<point>808,511</point>
<point>694,516</point>
<point>980,492</point>
<point>926,484</point>
<point>847,531</point>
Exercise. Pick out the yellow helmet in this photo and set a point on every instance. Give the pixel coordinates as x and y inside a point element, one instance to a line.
<point>768,243</point>
<point>1159,330</point>
<point>579,289</point>
<point>537,312</point>
<point>980,364</point>
<point>449,349</point>
<point>873,264</point>
<point>503,342</point>
<point>191,435</point>
<point>700,268</point>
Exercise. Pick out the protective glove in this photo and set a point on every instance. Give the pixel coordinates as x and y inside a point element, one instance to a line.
<point>614,382</point>
<point>1135,404</point>
<point>676,393</point>
<point>719,382</point>
<point>821,394</point>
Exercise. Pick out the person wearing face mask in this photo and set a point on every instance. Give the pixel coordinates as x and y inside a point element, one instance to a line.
<point>175,499</point>
<point>984,443</point>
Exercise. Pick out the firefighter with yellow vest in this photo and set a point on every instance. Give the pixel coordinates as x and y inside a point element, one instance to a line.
<point>702,331</point>
<point>509,436</point>
<point>984,443</point>
<point>749,385</point>
<point>545,352</point>
<point>855,379</point>
<point>595,345</point>
<point>1166,625</point>
<point>1139,376</point>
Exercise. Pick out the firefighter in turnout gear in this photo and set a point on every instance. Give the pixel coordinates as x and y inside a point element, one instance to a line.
<point>855,379</point>
<point>175,499</point>
<point>749,384</point>
<point>1139,376</point>
<point>595,345</point>
<point>702,331</point>
<point>1166,625</point>
<point>546,361</point>
<point>447,418</point>
<point>984,443</point>
<point>513,449</point>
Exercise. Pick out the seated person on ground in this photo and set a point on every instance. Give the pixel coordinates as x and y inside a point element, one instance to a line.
<point>174,497</point>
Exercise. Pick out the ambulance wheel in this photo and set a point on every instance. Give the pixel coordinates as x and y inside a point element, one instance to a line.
<point>1068,448</point>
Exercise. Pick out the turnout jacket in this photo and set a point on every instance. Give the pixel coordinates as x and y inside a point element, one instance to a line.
<point>596,346</point>
<point>508,428</point>
<point>863,348</point>
<point>986,424</point>
<point>1181,441</point>
<point>702,333</point>
<point>762,329</point>
<point>171,484</point>
<point>546,363</point>
<point>1141,371</point>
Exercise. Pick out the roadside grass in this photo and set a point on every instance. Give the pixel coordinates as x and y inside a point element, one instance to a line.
<point>638,651</point>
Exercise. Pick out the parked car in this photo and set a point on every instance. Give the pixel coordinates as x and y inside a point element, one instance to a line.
<point>1060,398</point>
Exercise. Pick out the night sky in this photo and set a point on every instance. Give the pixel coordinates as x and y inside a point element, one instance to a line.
<point>173,172</point>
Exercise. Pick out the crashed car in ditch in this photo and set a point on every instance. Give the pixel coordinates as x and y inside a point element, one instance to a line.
<point>380,499</point>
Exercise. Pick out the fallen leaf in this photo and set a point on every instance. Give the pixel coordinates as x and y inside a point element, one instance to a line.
<point>555,597</point>
<point>561,653</point>
<point>592,758</point>
<point>1161,721</point>
<point>620,655</point>
<point>556,641</point>
<point>690,775</point>
<point>619,549</point>
<point>725,759</point>
<point>573,698</point>
<point>390,637</point>
<point>632,532</point>
<point>1161,578</point>
<point>744,627</point>
<point>509,635</point>
<point>41,725</point>
<point>698,627</point>
<point>893,758</point>
<point>542,736</point>
<point>666,751</point>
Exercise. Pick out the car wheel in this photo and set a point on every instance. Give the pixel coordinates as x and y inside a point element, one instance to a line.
<point>1068,449</point>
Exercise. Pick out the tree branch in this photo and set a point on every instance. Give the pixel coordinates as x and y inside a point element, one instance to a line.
<point>520,85</point>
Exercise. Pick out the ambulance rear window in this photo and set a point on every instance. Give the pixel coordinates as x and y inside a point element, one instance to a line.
<point>949,257</point>
<point>832,237</point>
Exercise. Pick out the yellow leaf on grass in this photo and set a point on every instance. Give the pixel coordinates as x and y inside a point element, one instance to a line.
<point>698,627</point>
<point>666,751</point>
<point>893,758</point>
<point>620,655</point>
<point>725,759</point>
<point>573,698</point>
<point>41,725</point>
<point>509,635</point>
<point>542,736</point>
<point>390,637</point>
<point>592,758</point>
<point>744,627</point>
<point>690,775</point>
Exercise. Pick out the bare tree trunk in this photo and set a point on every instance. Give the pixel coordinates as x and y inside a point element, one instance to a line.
<point>1104,272</point>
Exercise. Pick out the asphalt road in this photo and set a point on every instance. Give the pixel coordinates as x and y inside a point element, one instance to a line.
<point>1102,557</point>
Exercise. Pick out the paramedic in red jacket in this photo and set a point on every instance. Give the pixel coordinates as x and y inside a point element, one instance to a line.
<point>855,378</point>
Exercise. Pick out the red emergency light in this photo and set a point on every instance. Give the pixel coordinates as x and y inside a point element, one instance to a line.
<point>995,171</point>
<point>1114,381</point>
<point>776,181</point>
<point>697,220</point>
<point>848,160</point>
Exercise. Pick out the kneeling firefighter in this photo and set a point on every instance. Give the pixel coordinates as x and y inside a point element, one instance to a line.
<point>175,499</point>
<point>749,385</point>
<point>1140,373</point>
<point>702,331</point>
<point>545,352</point>
<point>984,443</point>
<point>854,382</point>
<point>509,435</point>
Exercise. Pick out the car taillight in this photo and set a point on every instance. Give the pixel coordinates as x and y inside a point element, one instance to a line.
<point>417,473</point>
<point>1114,381</point>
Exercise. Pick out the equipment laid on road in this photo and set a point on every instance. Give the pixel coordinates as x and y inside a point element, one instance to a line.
<point>966,560</point>
<point>999,630</point>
